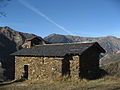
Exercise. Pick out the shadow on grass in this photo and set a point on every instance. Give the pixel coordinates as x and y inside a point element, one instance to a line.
<point>8,83</point>
<point>118,88</point>
<point>94,75</point>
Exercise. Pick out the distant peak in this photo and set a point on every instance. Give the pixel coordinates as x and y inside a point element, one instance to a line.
<point>111,37</point>
<point>54,34</point>
<point>5,28</point>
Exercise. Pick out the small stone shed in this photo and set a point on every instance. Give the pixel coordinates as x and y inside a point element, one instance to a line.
<point>33,41</point>
<point>56,60</point>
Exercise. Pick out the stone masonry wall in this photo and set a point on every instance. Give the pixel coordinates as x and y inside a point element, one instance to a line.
<point>75,67</point>
<point>27,44</point>
<point>38,67</point>
<point>44,67</point>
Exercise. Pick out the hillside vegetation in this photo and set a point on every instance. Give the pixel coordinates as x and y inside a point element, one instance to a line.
<point>113,69</point>
<point>110,58</point>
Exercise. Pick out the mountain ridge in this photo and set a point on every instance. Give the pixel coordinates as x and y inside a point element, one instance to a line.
<point>109,43</point>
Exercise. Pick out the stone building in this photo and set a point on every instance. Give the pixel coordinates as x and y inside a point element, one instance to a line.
<point>56,60</point>
<point>33,42</point>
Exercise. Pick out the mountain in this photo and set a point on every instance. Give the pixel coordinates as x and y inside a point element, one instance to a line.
<point>110,58</point>
<point>10,41</point>
<point>109,43</point>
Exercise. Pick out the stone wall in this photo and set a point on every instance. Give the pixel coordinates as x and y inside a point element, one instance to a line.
<point>38,67</point>
<point>27,44</point>
<point>74,66</point>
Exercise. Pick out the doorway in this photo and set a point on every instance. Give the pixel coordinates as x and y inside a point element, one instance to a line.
<point>66,66</point>
<point>25,71</point>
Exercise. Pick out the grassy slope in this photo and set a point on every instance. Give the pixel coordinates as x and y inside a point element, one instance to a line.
<point>113,68</point>
<point>110,58</point>
<point>106,83</point>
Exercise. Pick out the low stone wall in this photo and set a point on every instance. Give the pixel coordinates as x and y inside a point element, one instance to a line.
<point>38,67</point>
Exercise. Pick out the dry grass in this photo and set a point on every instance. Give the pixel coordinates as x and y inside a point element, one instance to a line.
<point>106,83</point>
<point>112,68</point>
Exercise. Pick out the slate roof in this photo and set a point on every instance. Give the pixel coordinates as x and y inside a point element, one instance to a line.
<point>57,49</point>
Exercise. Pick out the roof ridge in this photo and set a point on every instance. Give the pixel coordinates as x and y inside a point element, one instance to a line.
<point>67,43</point>
<point>59,50</point>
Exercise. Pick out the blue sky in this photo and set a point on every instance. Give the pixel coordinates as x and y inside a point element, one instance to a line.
<point>87,18</point>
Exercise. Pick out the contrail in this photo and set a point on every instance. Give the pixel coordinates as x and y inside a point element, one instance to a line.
<point>44,16</point>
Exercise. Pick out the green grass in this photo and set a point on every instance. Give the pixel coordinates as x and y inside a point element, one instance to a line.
<point>106,83</point>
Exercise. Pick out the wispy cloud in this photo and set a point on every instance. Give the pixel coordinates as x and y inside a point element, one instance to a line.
<point>35,10</point>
